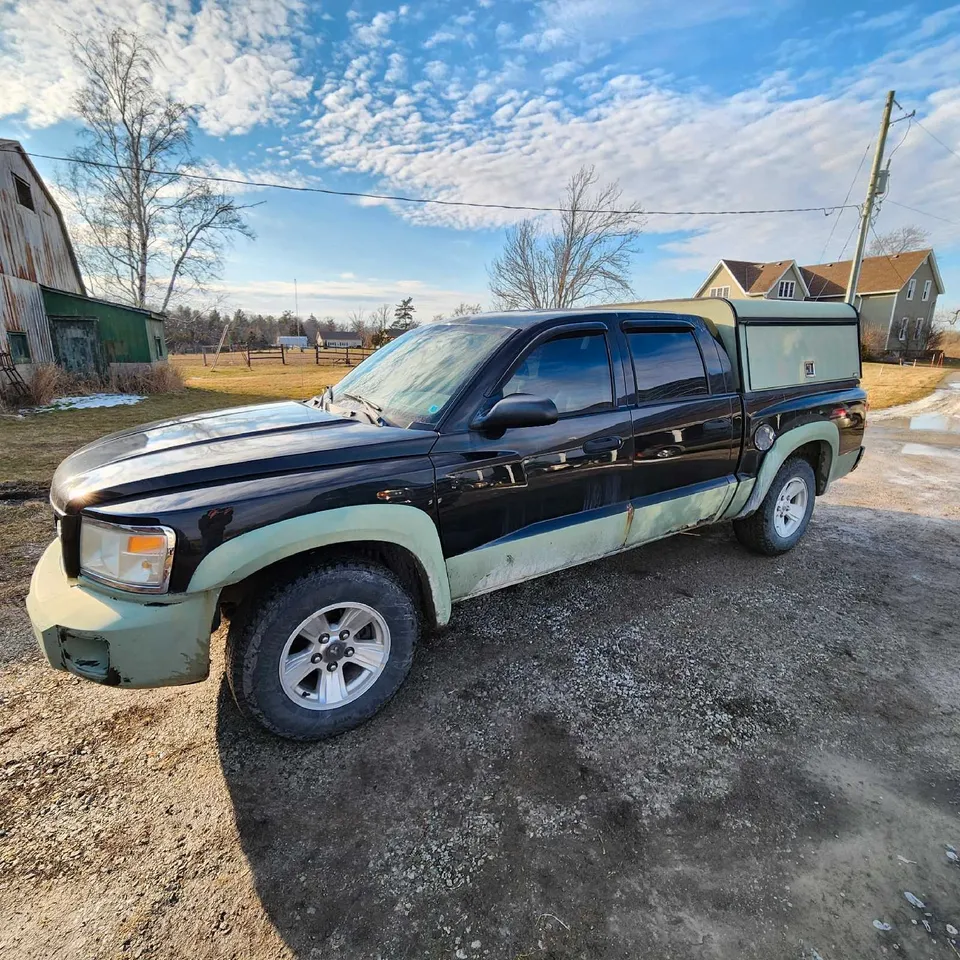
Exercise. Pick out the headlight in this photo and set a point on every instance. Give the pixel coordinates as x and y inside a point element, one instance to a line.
<point>133,558</point>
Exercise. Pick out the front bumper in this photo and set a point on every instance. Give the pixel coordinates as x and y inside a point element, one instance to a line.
<point>116,639</point>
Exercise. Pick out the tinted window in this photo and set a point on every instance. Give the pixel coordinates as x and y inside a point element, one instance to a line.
<point>573,372</point>
<point>668,366</point>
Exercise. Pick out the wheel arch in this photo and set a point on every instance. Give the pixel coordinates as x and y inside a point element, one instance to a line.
<point>818,443</point>
<point>402,538</point>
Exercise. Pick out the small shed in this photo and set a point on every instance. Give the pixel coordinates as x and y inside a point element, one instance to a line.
<point>293,342</point>
<point>90,334</point>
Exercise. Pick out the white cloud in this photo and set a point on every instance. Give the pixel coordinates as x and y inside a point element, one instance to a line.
<point>671,146</point>
<point>235,60</point>
<point>373,34</point>
<point>328,296</point>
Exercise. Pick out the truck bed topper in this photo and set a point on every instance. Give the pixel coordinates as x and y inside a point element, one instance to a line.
<point>776,343</point>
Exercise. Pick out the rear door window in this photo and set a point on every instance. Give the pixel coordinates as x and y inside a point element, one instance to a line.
<point>572,371</point>
<point>667,364</point>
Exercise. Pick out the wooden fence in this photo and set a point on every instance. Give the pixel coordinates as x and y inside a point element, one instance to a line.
<point>231,353</point>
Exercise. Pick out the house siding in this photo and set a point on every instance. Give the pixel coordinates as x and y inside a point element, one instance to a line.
<point>915,308</point>
<point>790,274</point>
<point>722,278</point>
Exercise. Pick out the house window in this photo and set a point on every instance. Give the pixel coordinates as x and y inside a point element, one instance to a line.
<point>904,323</point>
<point>918,329</point>
<point>719,291</point>
<point>911,288</point>
<point>19,347</point>
<point>24,194</point>
<point>786,289</point>
<point>926,289</point>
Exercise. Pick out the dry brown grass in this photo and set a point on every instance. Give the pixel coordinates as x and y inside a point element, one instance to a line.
<point>889,385</point>
<point>148,380</point>
<point>296,380</point>
<point>49,382</point>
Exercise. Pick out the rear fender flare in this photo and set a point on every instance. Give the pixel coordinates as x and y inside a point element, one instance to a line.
<point>398,524</point>
<point>780,452</point>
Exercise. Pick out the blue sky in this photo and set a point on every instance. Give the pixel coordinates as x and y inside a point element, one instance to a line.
<point>729,104</point>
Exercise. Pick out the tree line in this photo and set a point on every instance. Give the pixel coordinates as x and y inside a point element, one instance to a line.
<point>188,329</point>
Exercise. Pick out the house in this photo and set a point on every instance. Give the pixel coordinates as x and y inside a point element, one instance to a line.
<point>338,339</point>
<point>45,314</point>
<point>896,295</point>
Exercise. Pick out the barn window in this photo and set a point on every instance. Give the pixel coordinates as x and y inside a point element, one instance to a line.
<point>24,194</point>
<point>158,343</point>
<point>19,347</point>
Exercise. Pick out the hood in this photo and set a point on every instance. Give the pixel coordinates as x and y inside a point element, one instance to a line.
<point>221,446</point>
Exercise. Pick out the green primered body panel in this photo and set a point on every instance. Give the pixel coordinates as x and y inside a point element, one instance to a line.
<point>125,641</point>
<point>398,524</point>
<point>788,356</point>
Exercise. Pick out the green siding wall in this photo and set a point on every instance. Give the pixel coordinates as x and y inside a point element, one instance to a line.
<point>127,335</point>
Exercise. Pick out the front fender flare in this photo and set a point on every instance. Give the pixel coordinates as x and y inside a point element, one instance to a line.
<point>398,524</point>
<point>781,450</point>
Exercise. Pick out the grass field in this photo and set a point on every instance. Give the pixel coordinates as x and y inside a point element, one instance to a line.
<point>299,378</point>
<point>889,386</point>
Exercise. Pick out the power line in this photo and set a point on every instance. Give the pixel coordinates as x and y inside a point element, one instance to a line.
<point>853,183</point>
<point>933,136</point>
<point>825,210</point>
<point>923,213</point>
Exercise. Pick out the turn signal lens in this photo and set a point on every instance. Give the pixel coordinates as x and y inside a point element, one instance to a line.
<point>140,543</point>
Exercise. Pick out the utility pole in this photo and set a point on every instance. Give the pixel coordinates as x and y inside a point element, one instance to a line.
<point>296,305</point>
<point>867,211</point>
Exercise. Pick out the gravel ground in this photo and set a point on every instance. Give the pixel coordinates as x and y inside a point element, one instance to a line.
<point>686,751</point>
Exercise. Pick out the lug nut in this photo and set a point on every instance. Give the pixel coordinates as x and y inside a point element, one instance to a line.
<point>344,634</point>
<point>316,658</point>
<point>324,637</point>
<point>331,667</point>
<point>349,652</point>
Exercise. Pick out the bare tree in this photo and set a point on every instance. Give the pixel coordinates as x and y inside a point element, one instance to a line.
<point>379,321</point>
<point>586,260</point>
<point>149,230</point>
<point>466,309</point>
<point>909,237</point>
<point>358,323</point>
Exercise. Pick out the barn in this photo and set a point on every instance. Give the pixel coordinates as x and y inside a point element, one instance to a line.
<point>45,313</point>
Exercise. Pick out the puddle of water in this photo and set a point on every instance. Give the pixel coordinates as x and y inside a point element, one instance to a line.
<point>926,450</point>
<point>931,421</point>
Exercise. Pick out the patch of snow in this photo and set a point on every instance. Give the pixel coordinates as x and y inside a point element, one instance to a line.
<point>88,403</point>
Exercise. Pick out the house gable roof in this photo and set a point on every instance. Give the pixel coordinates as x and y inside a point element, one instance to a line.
<point>877,274</point>
<point>755,279</point>
<point>18,147</point>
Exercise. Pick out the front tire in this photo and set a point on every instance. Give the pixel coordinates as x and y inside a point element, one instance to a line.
<point>782,517</point>
<point>318,655</point>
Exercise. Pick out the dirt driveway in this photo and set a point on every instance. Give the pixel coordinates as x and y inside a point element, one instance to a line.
<point>683,752</point>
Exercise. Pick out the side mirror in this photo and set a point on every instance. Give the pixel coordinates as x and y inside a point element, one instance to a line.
<point>518,410</point>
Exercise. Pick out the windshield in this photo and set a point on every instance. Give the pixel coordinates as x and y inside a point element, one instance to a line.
<point>413,378</point>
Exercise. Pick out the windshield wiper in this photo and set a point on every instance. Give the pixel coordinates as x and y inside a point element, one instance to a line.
<point>368,405</point>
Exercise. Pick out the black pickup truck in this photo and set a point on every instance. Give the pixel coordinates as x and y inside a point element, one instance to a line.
<point>464,457</point>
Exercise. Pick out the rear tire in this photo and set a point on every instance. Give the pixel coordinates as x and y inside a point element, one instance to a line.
<point>315,656</point>
<point>782,517</point>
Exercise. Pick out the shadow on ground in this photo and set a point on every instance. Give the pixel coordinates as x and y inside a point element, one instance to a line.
<point>682,752</point>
